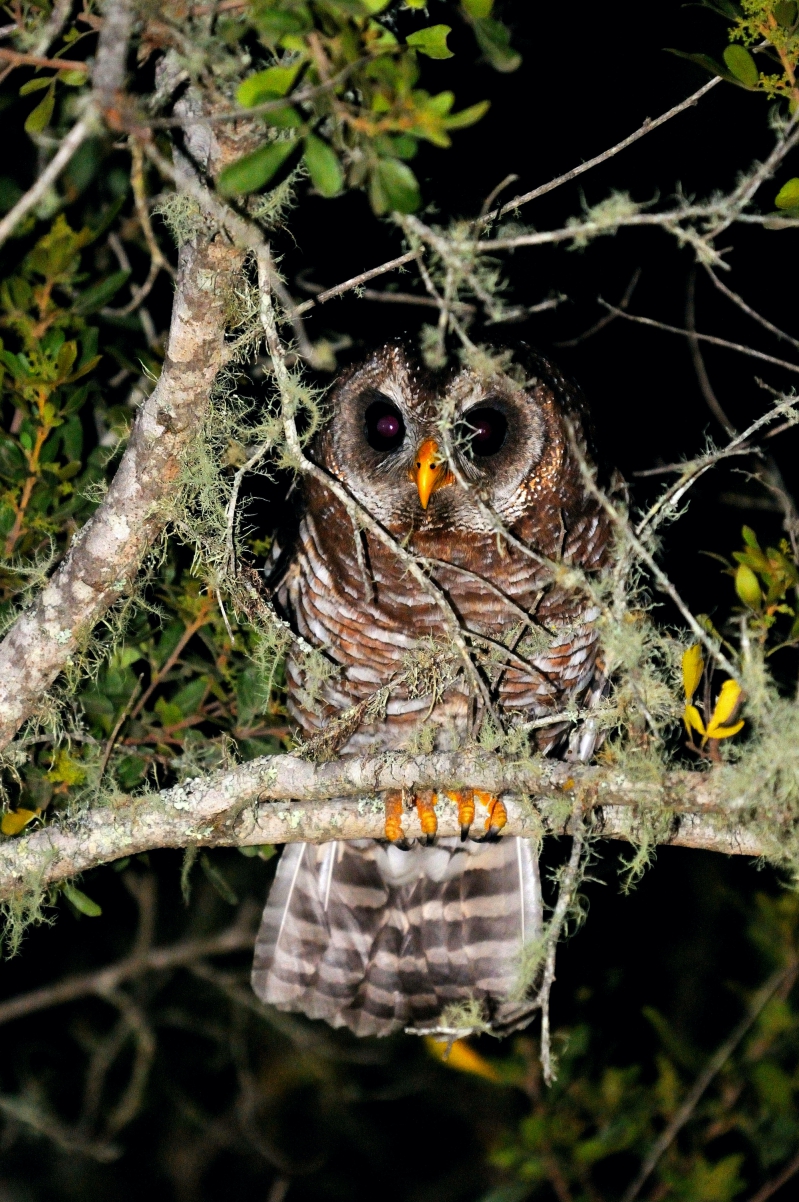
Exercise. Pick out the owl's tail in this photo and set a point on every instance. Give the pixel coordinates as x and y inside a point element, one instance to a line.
<point>368,936</point>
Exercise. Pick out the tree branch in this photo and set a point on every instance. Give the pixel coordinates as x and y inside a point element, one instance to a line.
<point>284,799</point>
<point>104,981</point>
<point>106,553</point>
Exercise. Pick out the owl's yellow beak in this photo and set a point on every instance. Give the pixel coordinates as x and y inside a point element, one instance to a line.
<point>429,471</point>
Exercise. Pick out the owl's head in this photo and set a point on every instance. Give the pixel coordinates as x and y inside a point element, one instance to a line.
<point>392,421</point>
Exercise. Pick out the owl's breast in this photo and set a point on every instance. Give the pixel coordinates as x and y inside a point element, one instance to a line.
<point>378,627</point>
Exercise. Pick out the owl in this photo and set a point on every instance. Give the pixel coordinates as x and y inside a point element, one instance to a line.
<point>465,469</point>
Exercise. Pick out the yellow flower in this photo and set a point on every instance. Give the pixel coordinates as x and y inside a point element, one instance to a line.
<point>462,1057</point>
<point>725,707</point>
<point>14,821</point>
<point>693,666</point>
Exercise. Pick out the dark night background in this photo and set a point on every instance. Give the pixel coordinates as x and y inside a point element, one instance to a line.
<point>398,1126</point>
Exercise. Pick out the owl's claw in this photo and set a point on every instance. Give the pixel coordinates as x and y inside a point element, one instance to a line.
<point>425,808</point>
<point>464,799</point>
<point>497,815</point>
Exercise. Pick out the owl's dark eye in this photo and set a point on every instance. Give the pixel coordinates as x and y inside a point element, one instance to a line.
<point>383,426</point>
<point>485,431</point>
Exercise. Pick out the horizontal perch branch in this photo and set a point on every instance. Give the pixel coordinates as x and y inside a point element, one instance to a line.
<point>283,799</point>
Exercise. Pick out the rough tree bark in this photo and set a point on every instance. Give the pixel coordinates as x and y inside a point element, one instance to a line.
<point>105,555</point>
<point>283,799</point>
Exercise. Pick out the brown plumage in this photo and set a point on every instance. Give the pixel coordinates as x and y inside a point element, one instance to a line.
<point>365,934</point>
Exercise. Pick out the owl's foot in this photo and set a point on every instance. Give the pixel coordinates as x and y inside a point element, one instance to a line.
<point>464,800</point>
<point>425,808</point>
<point>497,815</point>
<point>395,806</point>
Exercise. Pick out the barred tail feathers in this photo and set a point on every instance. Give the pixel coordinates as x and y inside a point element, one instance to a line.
<point>367,936</point>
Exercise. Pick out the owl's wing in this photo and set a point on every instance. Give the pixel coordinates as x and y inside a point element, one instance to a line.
<point>367,936</point>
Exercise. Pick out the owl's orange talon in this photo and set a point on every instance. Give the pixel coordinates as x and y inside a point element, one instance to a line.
<point>464,799</point>
<point>425,808</point>
<point>497,814</point>
<point>394,808</point>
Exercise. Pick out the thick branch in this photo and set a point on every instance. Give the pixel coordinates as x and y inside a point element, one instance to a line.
<point>106,553</point>
<point>283,799</point>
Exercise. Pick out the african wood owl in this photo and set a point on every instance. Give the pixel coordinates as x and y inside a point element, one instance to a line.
<point>475,473</point>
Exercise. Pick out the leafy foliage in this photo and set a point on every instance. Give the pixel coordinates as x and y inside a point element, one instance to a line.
<point>353,109</point>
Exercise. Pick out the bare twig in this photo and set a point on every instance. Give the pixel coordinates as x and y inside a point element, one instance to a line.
<point>750,312</point>
<point>53,26</point>
<point>106,981</point>
<point>108,75</point>
<point>692,469</point>
<point>357,281</point>
<point>647,128</point>
<point>709,338</point>
<point>120,722</point>
<point>74,139</point>
<point>18,59</point>
<point>706,1077</point>
<point>643,553</point>
<point>713,402</point>
<point>569,881</point>
<point>608,318</point>
<point>771,1187</point>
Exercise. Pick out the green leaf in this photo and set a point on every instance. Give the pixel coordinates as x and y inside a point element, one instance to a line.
<point>285,118</point>
<point>266,85</point>
<point>170,715</point>
<point>218,881</point>
<point>395,188</point>
<point>404,146</point>
<point>493,38</point>
<point>81,902</point>
<point>39,119</point>
<point>100,294</point>
<point>785,12</point>
<point>706,62</point>
<point>36,85</point>
<point>323,166</point>
<point>431,41</point>
<point>189,698</point>
<point>254,170</point>
<point>73,79</point>
<point>479,9</point>
<point>724,8</point>
<point>742,65</point>
<point>468,116</point>
<point>747,533</point>
<point>375,6</point>
<point>130,771</point>
<point>264,851</point>
<point>747,587</point>
<point>66,358</point>
<point>788,195</point>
